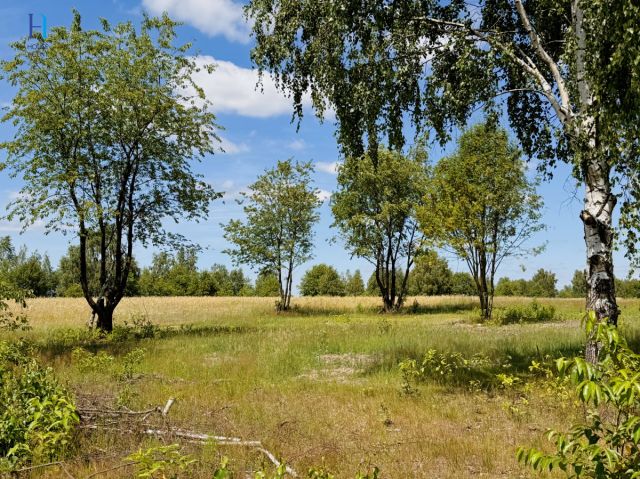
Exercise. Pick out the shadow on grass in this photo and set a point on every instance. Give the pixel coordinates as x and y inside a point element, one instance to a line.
<point>416,308</point>
<point>123,337</point>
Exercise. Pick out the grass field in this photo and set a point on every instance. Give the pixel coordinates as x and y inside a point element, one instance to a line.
<point>320,386</point>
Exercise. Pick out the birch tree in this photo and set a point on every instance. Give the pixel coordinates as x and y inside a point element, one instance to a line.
<point>565,71</point>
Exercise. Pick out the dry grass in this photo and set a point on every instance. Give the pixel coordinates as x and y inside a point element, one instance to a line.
<point>320,385</point>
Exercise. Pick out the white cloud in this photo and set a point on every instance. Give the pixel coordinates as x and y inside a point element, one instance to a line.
<point>213,17</point>
<point>231,148</point>
<point>327,167</point>
<point>232,89</point>
<point>297,145</point>
<point>323,195</point>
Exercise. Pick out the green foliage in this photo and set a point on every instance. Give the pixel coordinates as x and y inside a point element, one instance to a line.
<point>442,368</point>
<point>533,312</point>
<point>374,210</point>
<point>512,287</point>
<point>104,363</point>
<point>267,285</point>
<point>541,285</point>
<point>322,280</point>
<point>178,275</point>
<point>481,206</point>
<point>68,273</point>
<point>22,271</point>
<point>9,319</point>
<point>277,234</point>
<point>353,283</point>
<point>628,288</point>
<point>106,125</point>
<point>37,415</point>
<point>605,444</point>
<point>162,462</point>
<point>462,283</point>
<point>430,276</point>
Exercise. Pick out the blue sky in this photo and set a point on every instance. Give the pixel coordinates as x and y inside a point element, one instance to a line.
<point>258,132</point>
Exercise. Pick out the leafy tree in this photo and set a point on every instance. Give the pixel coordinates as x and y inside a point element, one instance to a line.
<point>276,236</point>
<point>353,283</point>
<point>509,287</point>
<point>462,283</point>
<point>628,288</point>
<point>578,286</point>
<point>375,213</point>
<point>107,123</point>
<point>431,276</point>
<point>322,280</point>
<point>69,278</point>
<point>173,275</point>
<point>267,284</point>
<point>481,206</point>
<point>30,273</point>
<point>542,284</point>
<point>563,71</point>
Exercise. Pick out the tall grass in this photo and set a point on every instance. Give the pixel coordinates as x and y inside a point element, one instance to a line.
<point>320,384</point>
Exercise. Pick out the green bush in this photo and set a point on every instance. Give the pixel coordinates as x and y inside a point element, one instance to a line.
<point>37,414</point>
<point>606,444</point>
<point>533,312</point>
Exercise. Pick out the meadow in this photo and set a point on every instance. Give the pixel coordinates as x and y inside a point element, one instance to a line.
<point>319,386</point>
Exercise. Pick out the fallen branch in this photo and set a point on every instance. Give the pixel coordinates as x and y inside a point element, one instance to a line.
<point>191,436</point>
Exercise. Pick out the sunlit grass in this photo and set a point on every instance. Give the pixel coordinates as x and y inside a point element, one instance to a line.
<point>320,385</point>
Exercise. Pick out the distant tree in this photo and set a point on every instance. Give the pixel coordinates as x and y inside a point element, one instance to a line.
<point>375,212</point>
<point>33,273</point>
<point>267,285</point>
<point>430,276</point>
<point>68,275</point>
<point>515,287</point>
<point>481,206</point>
<point>107,122</point>
<point>353,283</point>
<point>322,280</point>
<point>277,234</point>
<point>29,273</point>
<point>542,284</point>
<point>173,275</point>
<point>628,288</point>
<point>579,284</point>
<point>462,283</point>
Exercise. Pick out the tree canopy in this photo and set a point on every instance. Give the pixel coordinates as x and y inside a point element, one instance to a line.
<point>107,123</point>
<point>277,235</point>
<point>481,206</point>
<point>374,210</point>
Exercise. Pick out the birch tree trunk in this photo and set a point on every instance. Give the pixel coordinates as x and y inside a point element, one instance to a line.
<point>599,202</point>
<point>598,235</point>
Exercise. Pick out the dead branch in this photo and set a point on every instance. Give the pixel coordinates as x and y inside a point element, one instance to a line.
<point>190,436</point>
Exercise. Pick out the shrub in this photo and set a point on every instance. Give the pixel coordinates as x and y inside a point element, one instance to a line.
<point>607,443</point>
<point>443,368</point>
<point>37,415</point>
<point>534,312</point>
